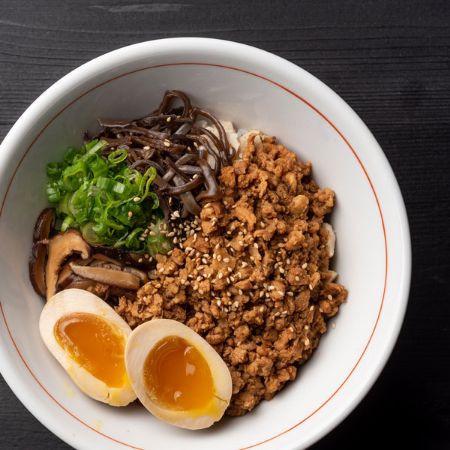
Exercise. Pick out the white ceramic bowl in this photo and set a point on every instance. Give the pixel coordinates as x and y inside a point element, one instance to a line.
<point>254,89</point>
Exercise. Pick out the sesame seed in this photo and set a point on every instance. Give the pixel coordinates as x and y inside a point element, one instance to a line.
<point>229,269</point>
<point>252,258</point>
<point>136,199</point>
<point>171,234</point>
<point>169,119</point>
<point>281,293</point>
<point>306,341</point>
<point>262,224</point>
<point>232,279</point>
<point>297,278</point>
<point>219,257</point>
<point>304,265</point>
<point>261,294</point>
<point>161,270</point>
<point>140,260</point>
<point>271,288</point>
<point>281,270</point>
<point>329,297</point>
<point>200,291</point>
<point>226,260</point>
<point>288,261</point>
<point>261,309</point>
<point>244,264</point>
<point>291,294</point>
<point>219,302</point>
<point>228,280</point>
<point>204,261</point>
<point>220,275</point>
<point>167,143</point>
<point>306,327</point>
<point>255,245</point>
<point>146,147</point>
<point>240,291</point>
<point>311,287</point>
<point>311,307</point>
<point>130,214</point>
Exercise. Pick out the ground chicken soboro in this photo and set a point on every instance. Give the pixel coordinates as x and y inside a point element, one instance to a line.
<point>254,280</point>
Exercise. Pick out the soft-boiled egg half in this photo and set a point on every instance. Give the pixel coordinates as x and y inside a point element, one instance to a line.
<point>177,375</point>
<point>88,339</point>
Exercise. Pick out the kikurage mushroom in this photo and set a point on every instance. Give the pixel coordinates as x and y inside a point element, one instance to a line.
<point>187,145</point>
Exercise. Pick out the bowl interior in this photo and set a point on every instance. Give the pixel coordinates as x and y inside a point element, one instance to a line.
<point>250,102</point>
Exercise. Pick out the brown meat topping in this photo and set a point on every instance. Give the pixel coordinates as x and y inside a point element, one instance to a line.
<point>254,279</point>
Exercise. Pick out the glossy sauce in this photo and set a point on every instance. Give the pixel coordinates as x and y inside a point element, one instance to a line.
<point>94,344</point>
<point>177,376</point>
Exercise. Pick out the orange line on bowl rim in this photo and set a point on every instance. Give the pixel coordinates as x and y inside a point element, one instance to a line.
<point>297,96</point>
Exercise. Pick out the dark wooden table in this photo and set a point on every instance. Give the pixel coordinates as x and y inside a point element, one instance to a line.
<point>390,60</point>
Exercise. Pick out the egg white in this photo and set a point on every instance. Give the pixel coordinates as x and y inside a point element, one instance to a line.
<point>72,301</point>
<point>139,344</point>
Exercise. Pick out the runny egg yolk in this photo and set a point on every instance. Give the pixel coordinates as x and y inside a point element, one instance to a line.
<point>177,376</point>
<point>94,344</point>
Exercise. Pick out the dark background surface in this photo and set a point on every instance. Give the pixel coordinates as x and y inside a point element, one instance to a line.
<point>390,60</point>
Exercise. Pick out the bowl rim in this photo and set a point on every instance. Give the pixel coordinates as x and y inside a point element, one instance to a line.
<point>97,65</point>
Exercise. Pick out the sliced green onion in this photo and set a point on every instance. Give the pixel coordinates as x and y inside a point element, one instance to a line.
<point>118,156</point>
<point>110,203</point>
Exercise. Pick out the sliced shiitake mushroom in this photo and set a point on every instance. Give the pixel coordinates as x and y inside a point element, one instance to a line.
<point>66,276</point>
<point>139,273</point>
<point>112,277</point>
<point>41,233</point>
<point>59,248</point>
